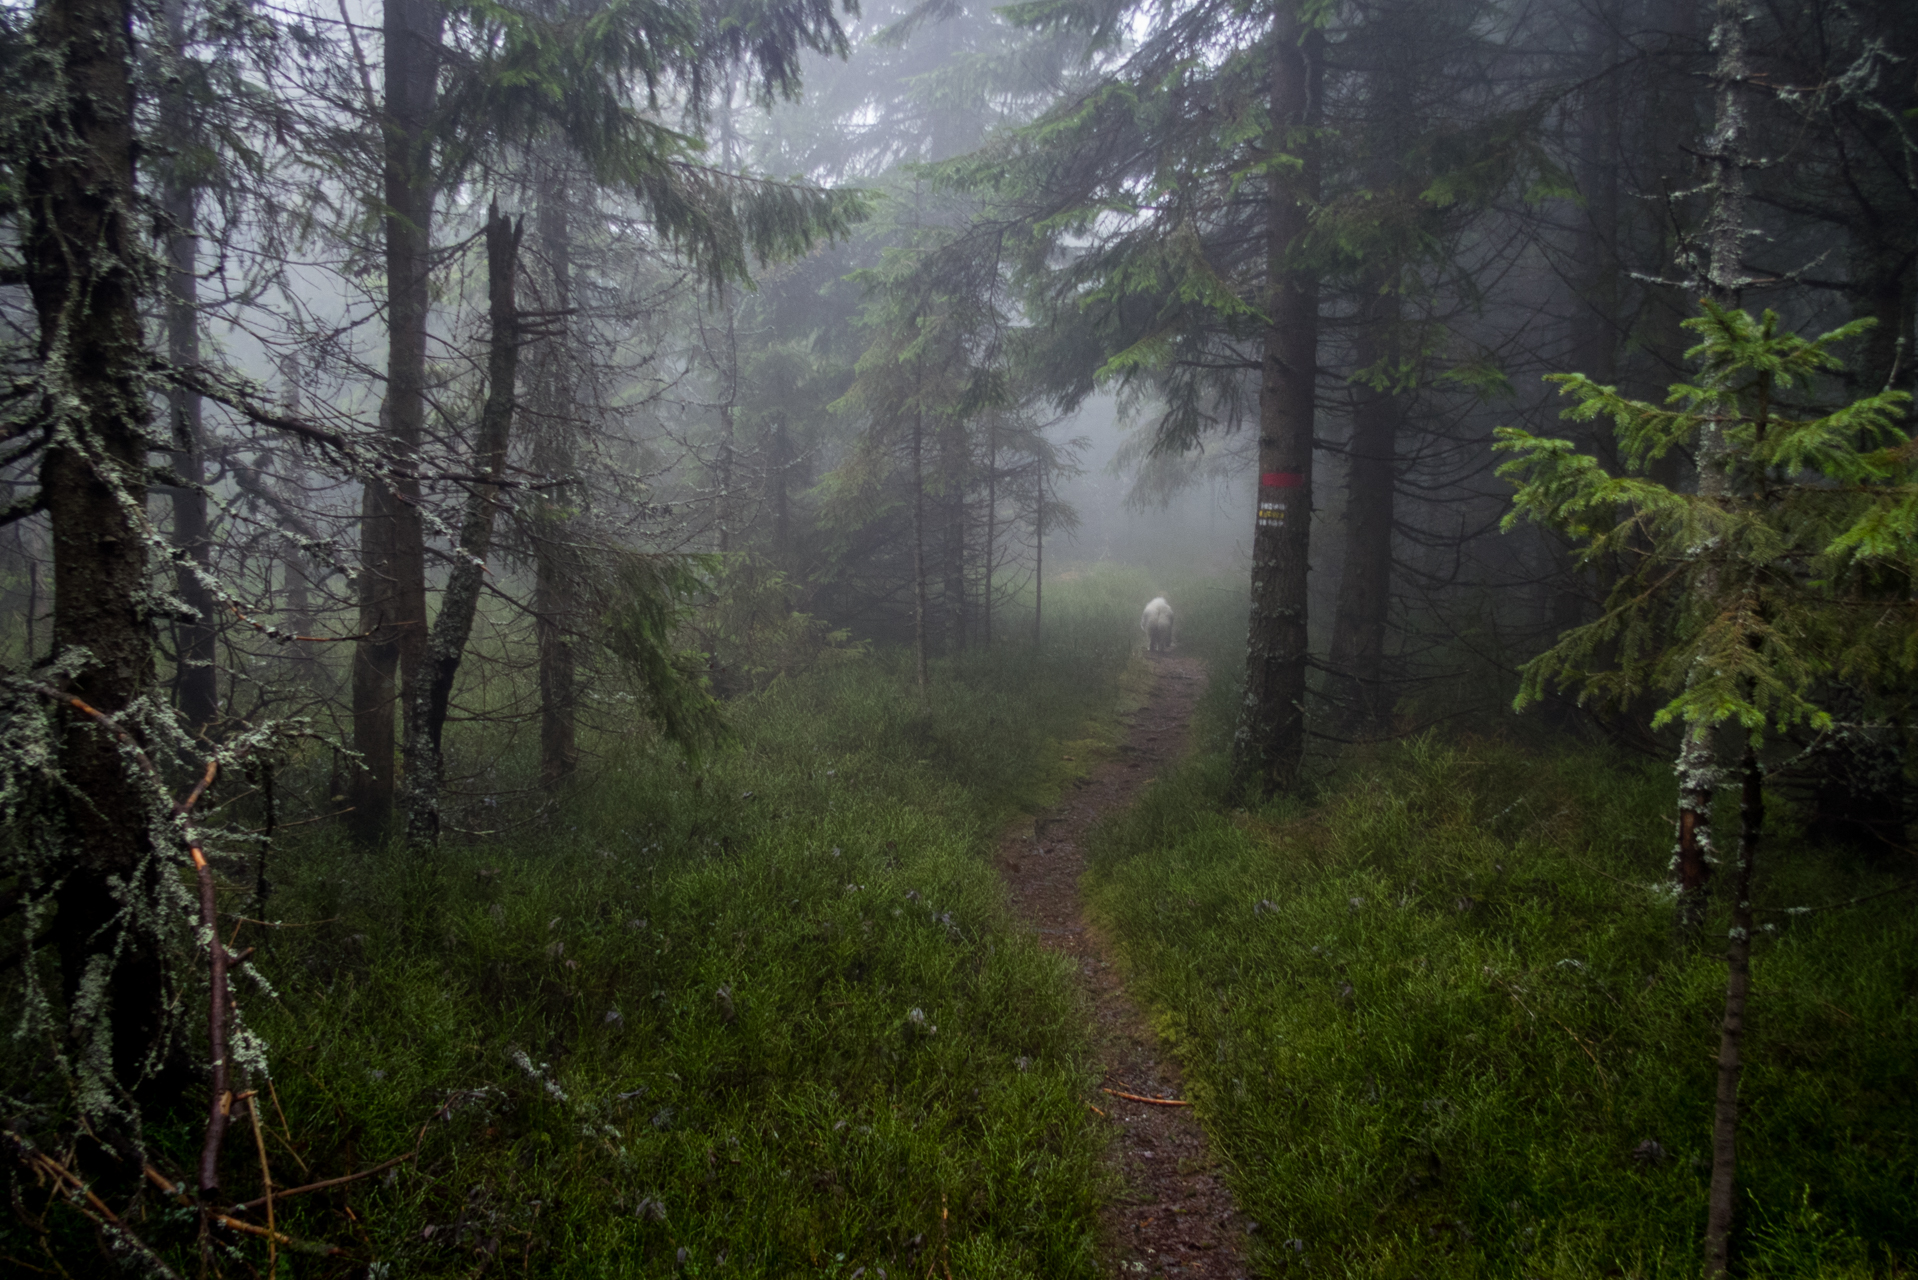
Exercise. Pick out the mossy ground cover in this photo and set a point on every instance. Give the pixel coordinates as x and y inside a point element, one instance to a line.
<point>1439,1025</point>
<point>761,1016</point>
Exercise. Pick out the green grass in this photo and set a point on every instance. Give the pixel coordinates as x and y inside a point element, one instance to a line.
<point>1431,1017</point>
<point>827,876</point>
<point>764,1017</point>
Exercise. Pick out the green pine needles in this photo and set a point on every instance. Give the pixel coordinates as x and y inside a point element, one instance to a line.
<point>1748,598</point>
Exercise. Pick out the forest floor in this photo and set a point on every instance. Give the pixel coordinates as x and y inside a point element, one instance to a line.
<point>1172,1214</point>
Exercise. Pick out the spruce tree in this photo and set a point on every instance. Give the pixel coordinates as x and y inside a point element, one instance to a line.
<point>1747,602</point>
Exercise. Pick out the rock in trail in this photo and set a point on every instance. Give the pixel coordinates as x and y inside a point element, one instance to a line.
<point>1173,1215</point>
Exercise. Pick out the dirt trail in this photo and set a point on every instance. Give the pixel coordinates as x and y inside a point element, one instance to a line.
<point>1173,1215</point>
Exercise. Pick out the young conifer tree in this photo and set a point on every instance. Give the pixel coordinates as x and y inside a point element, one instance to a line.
<point>1746,601</point>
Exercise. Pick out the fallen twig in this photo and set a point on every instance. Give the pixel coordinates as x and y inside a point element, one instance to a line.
<point>277,1237</point>
<point>76,1193</point>
<point>289,1192</point>
<point>285,1128</point>
<point>1135,1097</point>
<point>266,1180</point>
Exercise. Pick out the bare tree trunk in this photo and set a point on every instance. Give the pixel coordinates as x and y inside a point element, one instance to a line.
<point>554,602</point>
<point>1268,746</point>
<point>919,550</point>
<point>1723,277</point>
<point>723,515</point>
<point>459,604</point>
<point>1365,583</point>
<point>992,522</point>
<point>196,682</point>
<point>952,485</point>
<point>778,485</point>
<point>79,257</point>
<point>392,537</point>
<point>1039,557</point>
<point>1738,968</point>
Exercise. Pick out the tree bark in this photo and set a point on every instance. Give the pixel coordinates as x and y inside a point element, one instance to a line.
<point>1268,746</point>
<point>554,602</point>
<point>79,255</point>
<point>460,602</point>
<point>1722,1202</point>
<point>1365,583</point>
<point>196,680</point>
<point>779,463</point>
<point>1039,556</point>
<point>952,486</point>
<point>392,538</point>
<point>919,550</point>
<point>1723,277</point>
<point>992,523</point>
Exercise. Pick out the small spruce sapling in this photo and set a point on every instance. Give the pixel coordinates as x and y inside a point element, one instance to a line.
<point>1747,602</point>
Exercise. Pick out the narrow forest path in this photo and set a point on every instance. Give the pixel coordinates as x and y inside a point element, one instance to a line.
<point>1172,1215</point>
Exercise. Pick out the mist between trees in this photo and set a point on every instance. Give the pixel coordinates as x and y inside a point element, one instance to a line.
<point>409,407</point>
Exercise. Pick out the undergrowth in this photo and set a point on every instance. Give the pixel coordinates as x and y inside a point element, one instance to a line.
<point>761,1016</point>
<point>1437,1022</point>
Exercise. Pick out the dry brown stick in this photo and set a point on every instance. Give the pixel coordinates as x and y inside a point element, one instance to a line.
<point>67,1184</point>
<point>184,807</point>
<point>161,1181</point>
<point>289,1192</point>
<point>277,1237</point>
<point>1157,1102</point>
<point>64,1177</point>
<point>266,1178</point>
<point>285,1128</point>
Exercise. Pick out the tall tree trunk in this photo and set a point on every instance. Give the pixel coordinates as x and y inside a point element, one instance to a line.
<point>1365,583</point>
<point>1268,746</point>
<point>952,495</point>
<point>298,574</point>
<point>779,463</point>
<point>554,579</point>
<point>79,256</point>
<point>1039,557</point>
<point>1722,275</point>
<point>196,681</point>
<point>1722,1201</point>
<point>458,605</point>
<point>387,663</point>
<point>919,550</point>
<point>992,523</point>
<point>1725,156</point>
<point>723,515</point>
<point>1596,327</point>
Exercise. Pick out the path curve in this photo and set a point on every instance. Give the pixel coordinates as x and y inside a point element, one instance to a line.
<point>1173,1215</point>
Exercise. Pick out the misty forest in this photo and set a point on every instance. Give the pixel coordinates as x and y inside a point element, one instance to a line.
<point>937,640</point>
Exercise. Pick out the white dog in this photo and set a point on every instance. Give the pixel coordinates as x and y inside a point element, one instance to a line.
<point>1156,622</point>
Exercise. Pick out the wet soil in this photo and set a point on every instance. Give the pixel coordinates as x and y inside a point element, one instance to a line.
<point>1173,1215</point>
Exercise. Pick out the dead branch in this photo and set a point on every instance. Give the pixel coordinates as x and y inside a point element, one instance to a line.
<point>1135,1097</point>
<point>289,1192</point>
